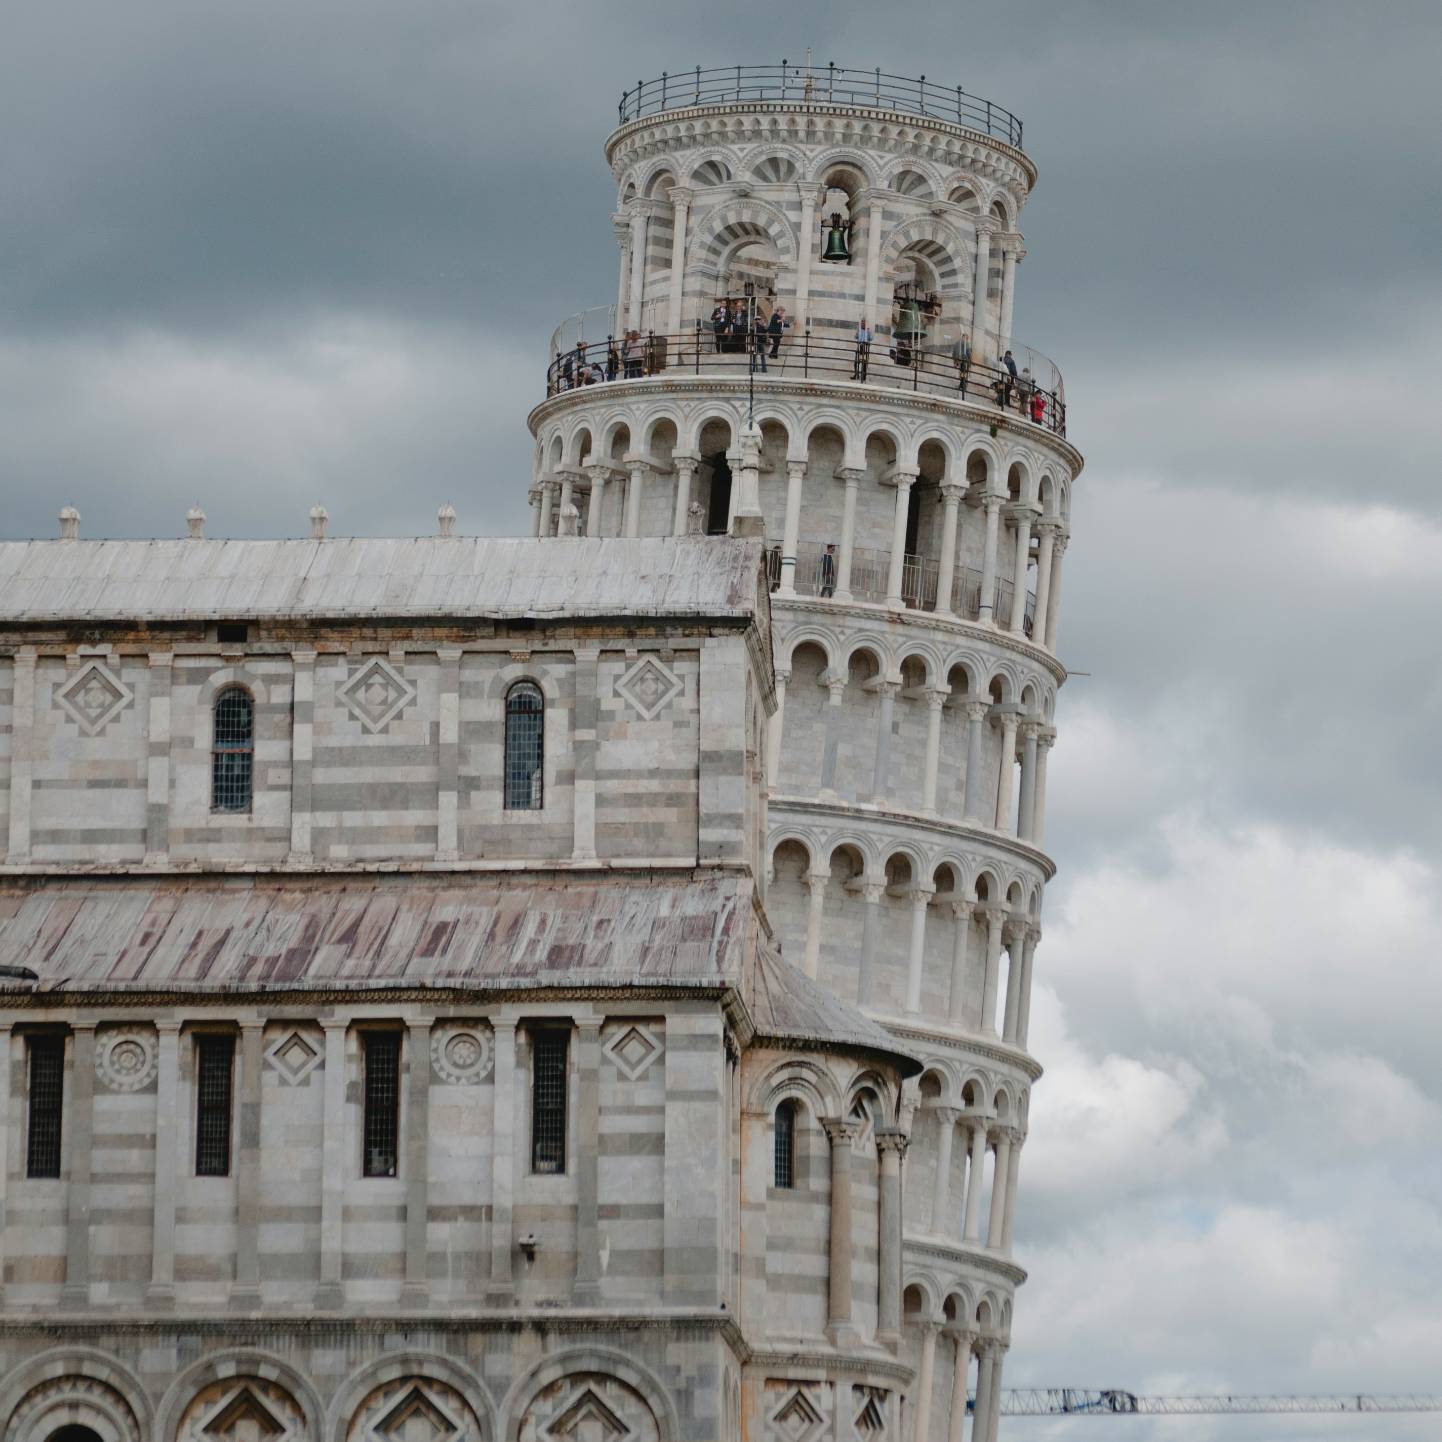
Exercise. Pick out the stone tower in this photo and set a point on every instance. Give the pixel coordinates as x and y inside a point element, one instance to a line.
<point>916,510</point>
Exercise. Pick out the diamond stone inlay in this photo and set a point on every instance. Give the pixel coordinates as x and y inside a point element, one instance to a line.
<point>797,1419</point>
<point>295,1055</point>
<point>377,694</point>
<point>649,687</point>
<point>633,1049</point>
<point>94,697</point>
<point>588,1419</point>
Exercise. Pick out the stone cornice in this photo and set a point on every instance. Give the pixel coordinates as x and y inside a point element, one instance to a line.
<point>596,866</point>
<point>832,392</point>
<point>969,1042</point>
<point>921,124</point>
<point>876,1364</point>
<point>967,1256</point>
<point>1008,844</point>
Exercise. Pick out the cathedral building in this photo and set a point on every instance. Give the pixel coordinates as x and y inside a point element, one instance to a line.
<point>576,988</point>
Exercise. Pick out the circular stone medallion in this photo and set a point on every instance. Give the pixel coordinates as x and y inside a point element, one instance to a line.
<point>126,1060</point>
<point>461,1053</point>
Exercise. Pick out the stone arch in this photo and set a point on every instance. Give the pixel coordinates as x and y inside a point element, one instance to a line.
<point>573,452</point>
<point>235,1365</point>
<point>975,1092</point>
<point>218,681</point>
<point>972,665</point>
<point>351,1396</point>
<point>944,248</point>
<point>959,1305</point>
<point>911,649</point>
<point>987,873</point>
<point>74,1385</point>
<point>603,1371</point>
<point>869,646</point>
<point>710,165</point>
<point>863,846</point>
<point>741,220</point>
<point>653,416</point>
<point>798,1078</point>
<point>977,446</point>
<point>962,868</point>
<point>837,157</point>
<point>919,1298</point>
<point>790,837</point>
<point>868,1079</point>
<point>653,175</point>
<point>816,636</point>
<point>932,433</point>
<point>697,422</point>
<point>610,434</point>
<point>773,163</point>
<point>1002,683</point>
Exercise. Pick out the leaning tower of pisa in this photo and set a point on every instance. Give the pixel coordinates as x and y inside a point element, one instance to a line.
<point>916,511</point>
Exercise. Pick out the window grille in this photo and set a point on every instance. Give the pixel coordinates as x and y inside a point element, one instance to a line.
<point>784,1170</point>
<point>47,1095</point>
<point>525,746</point>
<point>232,751</point>
<point>382,1102</point>
<point>548,1100</point>
<point>214,1058</point>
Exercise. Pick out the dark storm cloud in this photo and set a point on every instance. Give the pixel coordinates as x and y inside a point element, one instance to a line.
<point>261,255</point>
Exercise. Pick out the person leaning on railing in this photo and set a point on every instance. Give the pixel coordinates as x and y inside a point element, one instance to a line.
<point>720,325</point>
<point>961,358</point>
<point>774,328</point>
<point>863,351</point>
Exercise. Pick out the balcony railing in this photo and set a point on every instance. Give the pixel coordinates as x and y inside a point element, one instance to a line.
<point>828,84</point>
<point>886,362</point>
<point>817,572</point>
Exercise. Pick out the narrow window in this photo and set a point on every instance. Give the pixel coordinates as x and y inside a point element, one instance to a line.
<point>232,751</point>
<point>382,1102</point>
<point>785,1155</point>
<point>525,746</point>
<point>214,1056</point>
<point>47,1094</point>
<point>548,1100</point>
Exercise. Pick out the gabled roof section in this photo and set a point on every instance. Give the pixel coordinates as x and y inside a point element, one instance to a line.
<point>451,576</point>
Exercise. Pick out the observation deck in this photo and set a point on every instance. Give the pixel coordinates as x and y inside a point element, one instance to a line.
<point>828,84</point>
<point>1035,394</point>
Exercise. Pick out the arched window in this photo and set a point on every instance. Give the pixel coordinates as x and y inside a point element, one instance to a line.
<point>232,752</point>
<point>784,1167</point>
<point>525,746</point>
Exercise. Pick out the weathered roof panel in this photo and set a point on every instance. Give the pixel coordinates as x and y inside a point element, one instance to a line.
<point>425,576</point>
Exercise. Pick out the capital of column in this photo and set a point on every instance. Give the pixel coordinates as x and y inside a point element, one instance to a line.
<point>1046,737</point>
<point>837,689</point>
<point>621,224</point>
<point>840,1131</point>
<point>891,1141</point>
<point>851,475</point>
<point>902,477</point>
<point>1028,729</point>
<point>1014,932</point>
<point>961,910</point>
<point>991,503</point>
<point>796,470</point>
<point>976,710</point>
<point>872,892</point>
<point>817,880</point>
<point>681,195</point>
<point>937,698</point>
<point>947,1116</point>
<point>921,895</point>
<point>887,688</point>
<point>995,916</point>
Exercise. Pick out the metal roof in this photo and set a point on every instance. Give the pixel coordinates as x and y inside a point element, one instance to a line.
<point>499,578</point>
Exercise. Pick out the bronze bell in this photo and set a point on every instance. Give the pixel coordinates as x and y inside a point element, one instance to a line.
<point>836,247</point>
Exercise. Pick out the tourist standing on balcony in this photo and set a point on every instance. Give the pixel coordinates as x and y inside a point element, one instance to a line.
<point>961,355</point>
<point>863,351</point>
<point>774,328</point>
<point>1025,389</point>
<point>740,329</point>
<point>1038,407</point>
<point>720,324</point>
<point>1009,380</point>
<point>828,571</point>
<point>613,359</point>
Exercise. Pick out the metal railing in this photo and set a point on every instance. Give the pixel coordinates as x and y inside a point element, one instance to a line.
<point>817,574</point>
<point>828,84</point>
<point>884,362</point>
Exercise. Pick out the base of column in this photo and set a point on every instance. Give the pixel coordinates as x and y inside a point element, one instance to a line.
<point>244,1297</point>
<point>330,1296</point>
<point>843,1336</point>
<point>75,1297</point>
<point>890,1340</point>
<point>415,1296</point>
<point>586,1294</point>
<point>160,1297</point>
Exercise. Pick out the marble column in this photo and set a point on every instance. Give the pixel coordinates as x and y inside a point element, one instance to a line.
<point>685,463</point>
<point>599,473</point>
<point>886,711</point>
<point>1022,521</point>
<point>871,894</point>
<point>921,1418</point>
<point>920,900</point>
<point>1024,1019</point>
<point>774,730</point>
<point>981,1416</point>
<point>1046,541</point>
<point>1015,936</point>
<point>961,938</point>
<point>622,230</point>
<point>946,1119</point>
<point>795,475</point>
<point>816,882</point>
<point>680,198</point>
<point>973,800</point>
<point>994,921</point>
<point>1006,771</point>
<point>335,1156</point>
<point>876,202</point>
<point>634,492</point>
<point>1053,598</point>
<point>7,1062</point>
<point>807,248</point>
<point>842,1136</point>
<point>831,736</point>
<point>22,747</point>
<point>503,1162</point>
<point>993,1411</point>
<point>852,476</point>
<point>1026,802</point>
<point>956,1423</point>
<point>891,1147</point>
<point>896,575</point>
<point>1008,1216</point>
<point>951,495</point>
<point>976,1166</point>
<point>1045,740</point>
<point>935,702</point>
<point>980,307</point>
<point>635,294</point>
<point>987,605</point>
<point>1009,257</point>
<point>548,502</point>
<point>1001,1160</point>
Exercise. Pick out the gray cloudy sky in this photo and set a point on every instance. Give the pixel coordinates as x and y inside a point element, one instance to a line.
<point>257,255</point>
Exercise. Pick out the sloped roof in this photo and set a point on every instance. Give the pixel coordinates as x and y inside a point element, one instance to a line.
<point>427,576</point>
<point>787,1006</point>
<point>371,933</point>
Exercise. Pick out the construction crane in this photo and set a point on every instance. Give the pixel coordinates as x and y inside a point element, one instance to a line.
<point>1114,1402</point>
